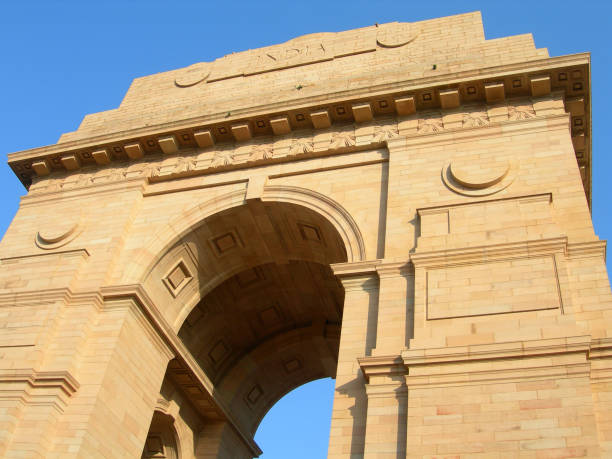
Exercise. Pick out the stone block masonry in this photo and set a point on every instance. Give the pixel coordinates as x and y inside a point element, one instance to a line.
<point>402,207</point>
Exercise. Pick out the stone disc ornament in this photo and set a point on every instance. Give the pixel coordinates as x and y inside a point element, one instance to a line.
<point>54,234</point>
<point>471,178</point>
<point>192,75</point>
<point>395,34</point>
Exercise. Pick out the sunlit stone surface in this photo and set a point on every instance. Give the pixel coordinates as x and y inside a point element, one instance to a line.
<point>403,208</point>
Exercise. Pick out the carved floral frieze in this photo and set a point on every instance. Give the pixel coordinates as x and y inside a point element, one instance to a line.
<point>385,132</point>
<point>296,144</point>
<point>475,119</point>
<point>431,122</point>
<point>521,112</point>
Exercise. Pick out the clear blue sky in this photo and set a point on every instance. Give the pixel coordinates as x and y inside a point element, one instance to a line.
<point>63,59</point>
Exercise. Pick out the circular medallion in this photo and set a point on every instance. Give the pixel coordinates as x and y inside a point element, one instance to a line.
<point>478,178</point>
<point>471,178</point>
<point>395,34</point>
<point>56,234</point>
<point>192,75</point>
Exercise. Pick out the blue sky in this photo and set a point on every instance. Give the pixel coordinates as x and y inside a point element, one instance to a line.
<point>63,59</point>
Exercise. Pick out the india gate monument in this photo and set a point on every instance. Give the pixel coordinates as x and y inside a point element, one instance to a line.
<point>404,208</point>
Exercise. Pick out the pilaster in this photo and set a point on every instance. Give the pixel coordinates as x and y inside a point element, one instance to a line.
<point>387,406</point>
<point>600,357</point>
<point>123,364</point>
<point>395,306</point>
<point>358,337</point>
<point>400,227</point>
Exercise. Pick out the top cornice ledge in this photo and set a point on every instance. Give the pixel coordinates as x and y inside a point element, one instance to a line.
<point>553,63</point>
<point>311,66</point>
<point>313,82</point>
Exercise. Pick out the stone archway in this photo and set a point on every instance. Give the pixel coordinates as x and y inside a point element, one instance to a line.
<point>198,276</point>
<point>162,438</point>
<point>256,303</point>
<point>147,258</point>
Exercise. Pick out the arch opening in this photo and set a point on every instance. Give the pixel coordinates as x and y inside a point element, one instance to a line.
<point>298,425</point>
<point>267,312</point>
<point>161,440</point>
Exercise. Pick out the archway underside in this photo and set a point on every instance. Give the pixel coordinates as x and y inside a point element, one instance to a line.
<point>273,322</point>
<point>265,331</point>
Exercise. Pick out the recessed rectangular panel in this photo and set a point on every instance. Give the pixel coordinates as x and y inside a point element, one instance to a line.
<point>269,316</point>
<point>177,275</point>
<point>249,277</point>
<point>218,352</point>
<point>223,243</point>
<point>177,278</point>
<point>497,287</point>
<point>309,232</point>
<point>254,394</point>
<point>292,365</point>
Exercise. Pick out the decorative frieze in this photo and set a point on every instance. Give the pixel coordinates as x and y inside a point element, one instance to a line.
<point>385,132</point>
<point>475,118</point>
<point>521,112</point>
<point>430,123</point>
<point>282,148</point>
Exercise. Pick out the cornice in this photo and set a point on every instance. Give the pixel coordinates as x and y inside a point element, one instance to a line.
<point>60,379</point>
<point>507,350</point>
<point>76,193</point>
<point>601,349</point>
<point>83,253</point>
<point>508,371</point>
<point>49,296</point>
<point>547,197</point>
<point>394,268</point>
<point>339,140</point>
<point>57,387</point>
<point>540,65</point>
<point>509,360</point>
<point>587,249</point>
<point>584,350</point>
<point>357,276</point>
<point>421,366</point>
<point>364,269</point>
<point>493,251</point>
<point>387,365</point>
<point>403,98</point>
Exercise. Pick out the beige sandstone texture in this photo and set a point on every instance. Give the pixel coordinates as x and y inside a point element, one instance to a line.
<point>403,207</point>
